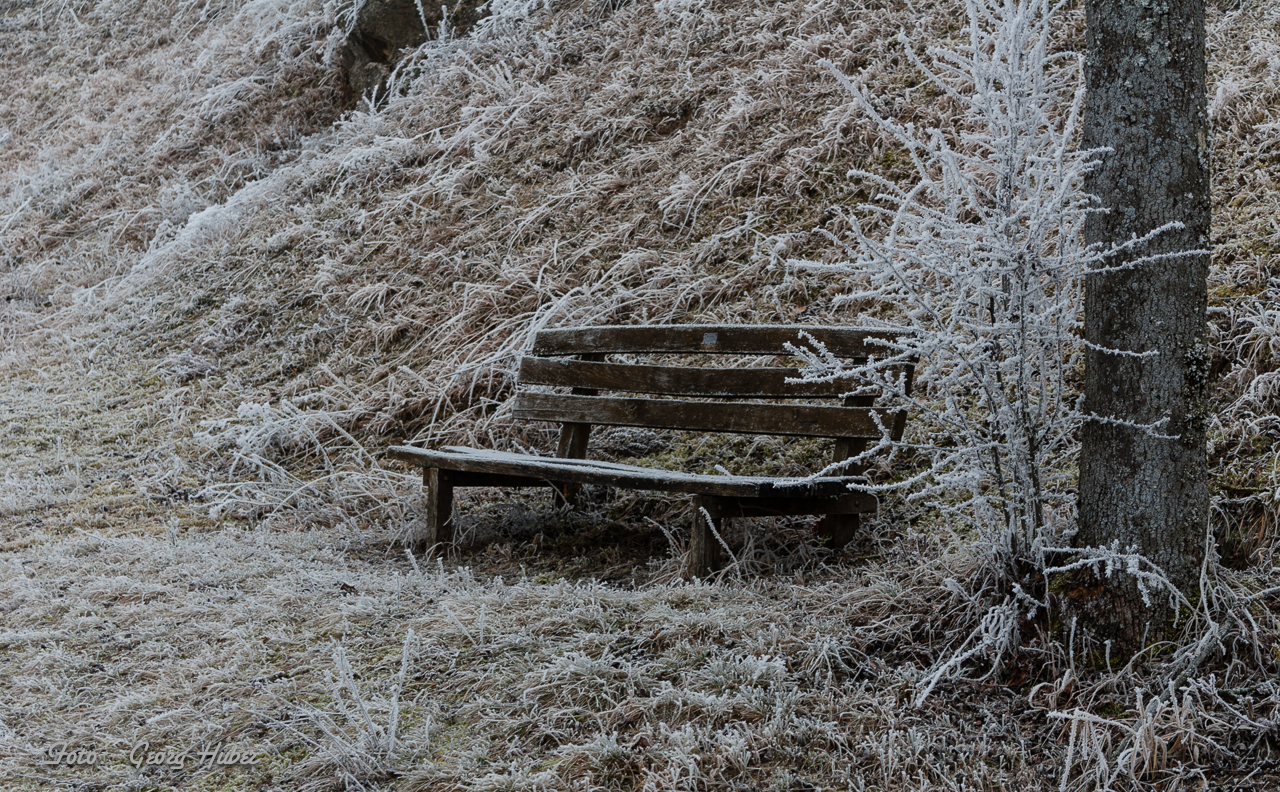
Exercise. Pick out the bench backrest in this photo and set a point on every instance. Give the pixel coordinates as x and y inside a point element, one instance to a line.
<point>577,358</point>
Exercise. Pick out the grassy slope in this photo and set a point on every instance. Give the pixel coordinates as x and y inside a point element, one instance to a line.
<point>223,283</point>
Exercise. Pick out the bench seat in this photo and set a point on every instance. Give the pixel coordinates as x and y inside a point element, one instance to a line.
<point>540,471</point>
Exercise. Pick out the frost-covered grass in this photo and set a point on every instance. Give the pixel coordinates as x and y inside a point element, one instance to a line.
<point>225,288</point>
<point>339,660</point>
<point>272,638</point>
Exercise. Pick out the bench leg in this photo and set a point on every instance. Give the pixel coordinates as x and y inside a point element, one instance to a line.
<point>573,445</point>
<point>704,549</point>
<point>439,489</point>
<point>565,494</point>
<point>838,530</point>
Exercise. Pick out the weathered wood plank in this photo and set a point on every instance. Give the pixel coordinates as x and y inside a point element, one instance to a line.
<point>583,471</point>
<point>705,555</point>
<point>847,447</point>
<point>851,503</point>
<point>573,441</point>
<point>439,489</point>
<point>572,445</point>
<point>600,463</point>
<point>744,383</point>
<point>712,339</point>
<point>781,485</point>
<point>837,530</point>
<point>803,420</point>
<point>640,478</point>
<point>464,479</point>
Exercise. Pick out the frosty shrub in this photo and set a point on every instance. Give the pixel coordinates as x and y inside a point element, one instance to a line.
<point>983,261</point>
<point>980,260</point>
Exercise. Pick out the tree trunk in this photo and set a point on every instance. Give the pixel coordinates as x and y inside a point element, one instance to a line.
<point>1145,100</point>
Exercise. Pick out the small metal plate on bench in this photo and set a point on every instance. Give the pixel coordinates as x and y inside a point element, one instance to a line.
<point>709,339</point>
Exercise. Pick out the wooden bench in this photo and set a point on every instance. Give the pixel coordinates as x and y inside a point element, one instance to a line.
<point>577,359</point>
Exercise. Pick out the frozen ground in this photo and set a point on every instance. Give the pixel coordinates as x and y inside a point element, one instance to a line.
<point>226,286</point>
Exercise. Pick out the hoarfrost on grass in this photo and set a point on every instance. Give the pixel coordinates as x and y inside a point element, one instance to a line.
<point>201,223</point>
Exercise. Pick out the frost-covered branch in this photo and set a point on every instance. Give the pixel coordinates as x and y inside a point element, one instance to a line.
<point>981,258</point>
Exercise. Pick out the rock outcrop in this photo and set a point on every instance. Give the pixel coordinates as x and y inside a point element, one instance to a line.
<point>385,29</point>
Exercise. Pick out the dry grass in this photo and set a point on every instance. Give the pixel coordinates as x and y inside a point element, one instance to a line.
<point>225,288</point>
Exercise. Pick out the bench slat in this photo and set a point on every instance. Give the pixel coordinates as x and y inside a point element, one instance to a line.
<point>849,503</point>
<point>627,476</point>
<point>454,451</point>
<point>803,420</point>
<point>742,383</point>
<point>713,339</point>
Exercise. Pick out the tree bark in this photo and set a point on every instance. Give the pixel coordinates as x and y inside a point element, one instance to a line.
<point>1145,100</point>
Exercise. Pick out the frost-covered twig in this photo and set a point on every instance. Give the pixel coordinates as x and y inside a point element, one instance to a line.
<point>979,263</point>
<point>982,262</point>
